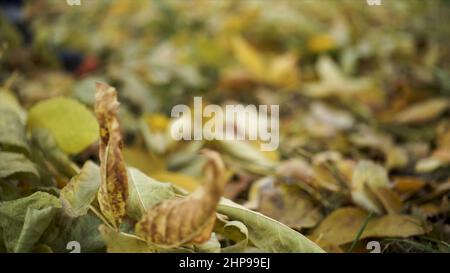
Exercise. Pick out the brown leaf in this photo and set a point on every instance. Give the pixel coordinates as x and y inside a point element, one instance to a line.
<point>407,184</point>
<point>189,220</point>
<point>113,191</point>
<point>286,203</point>
<point>342,226</point>
<point>390,200</point>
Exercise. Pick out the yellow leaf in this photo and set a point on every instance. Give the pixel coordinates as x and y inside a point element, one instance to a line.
<point>369,178</point>
<point>321,42</point>
<point>145,161</point>
<point>390,200</point>
<point>280,70</point>
<point>422,112</point>
<point>283,71</point>
<point>249,57</point>
<point>157,122</point>
<point>73,126</point>
<point>184,181</point>
<point>189,220</point>
<point>113,191</point>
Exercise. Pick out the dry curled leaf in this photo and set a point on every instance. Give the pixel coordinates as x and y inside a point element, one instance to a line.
<point>190,220</point>
<point>113,191</point>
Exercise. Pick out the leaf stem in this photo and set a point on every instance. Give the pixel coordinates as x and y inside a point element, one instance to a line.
<point>360,231</point>
<point>99,215</point>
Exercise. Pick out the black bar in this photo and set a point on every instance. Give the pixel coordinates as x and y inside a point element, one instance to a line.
<point>172,262</point>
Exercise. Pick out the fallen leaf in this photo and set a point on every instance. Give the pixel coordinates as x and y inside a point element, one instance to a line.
<point>145,193</point>
<point>405,184</point>
<point>12,132</point>
<point>139,158</point>
<point>181,180</point>
<point>333,83</point>
<point>234,230</point>
<point>73,126</point>
<point>46,143</point>
<point>342,226</point>
<point>113,192</point>
<point>286,203</point>
<point>83,229</point>
<point>24,220</point>
<point>179,221</point>
<point>371,188</point>
<point>266,233</point>
<point>79,193</point>
<point>246,155</point>
<point>17,165</point>
<point>422,112</point>
<point>280,70</point>
<point>119,242</point>
<point>321,42</point>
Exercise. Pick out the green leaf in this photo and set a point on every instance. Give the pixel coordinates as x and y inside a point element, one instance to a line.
<point>24,220</point>
<point>83,230</point>
<point>9,190</point>
<point>145,192</point>
<point>234,230</point>
<point>9,101</point>
<point>266,233</point>
<point>35,223</point>
<point>79,193</point>
<point>120,242</point>
<point>210,246</point>
<point>246,155</point>
<point>71,123</point>
<point>17,165</point>
<point>46,143</point>
<point>12,132</point>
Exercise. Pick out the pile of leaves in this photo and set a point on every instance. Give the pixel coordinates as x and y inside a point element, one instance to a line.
<point>364,150</point>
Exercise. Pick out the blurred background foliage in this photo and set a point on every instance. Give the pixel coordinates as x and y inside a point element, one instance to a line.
<point>363,93</point>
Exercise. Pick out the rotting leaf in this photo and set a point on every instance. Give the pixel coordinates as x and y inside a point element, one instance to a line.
<point>113,192</point>
<point>191,219</point>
